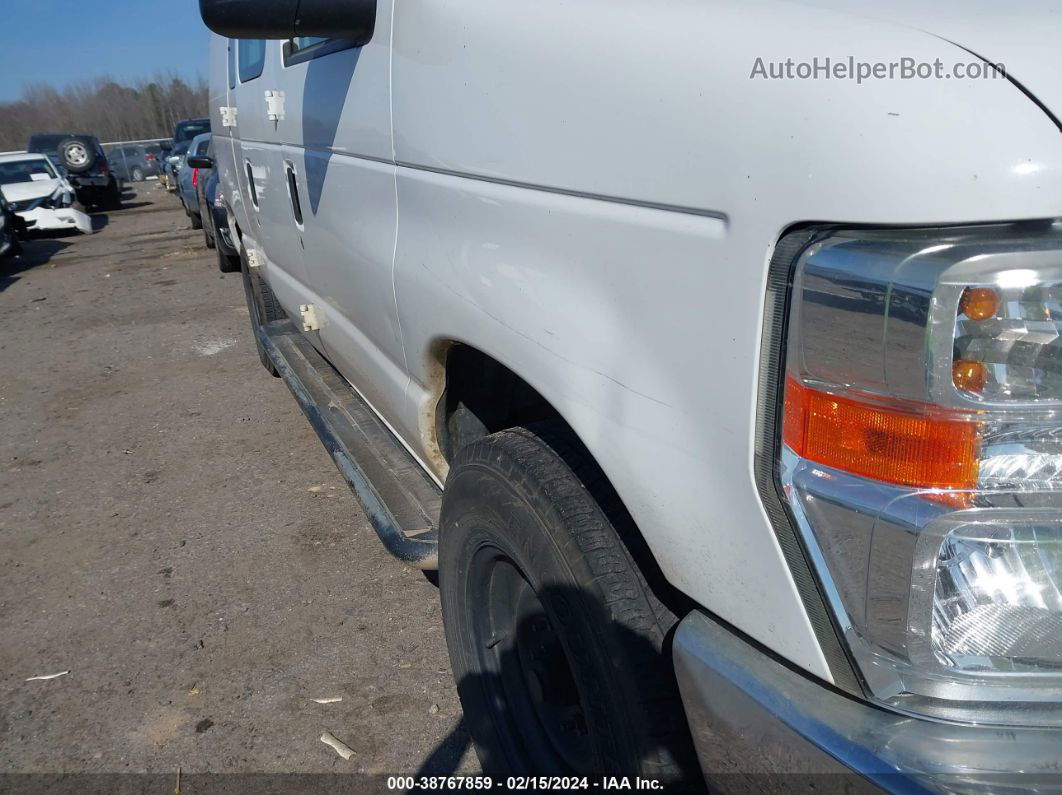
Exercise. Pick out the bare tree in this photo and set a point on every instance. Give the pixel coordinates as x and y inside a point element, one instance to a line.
<point>103,107</point>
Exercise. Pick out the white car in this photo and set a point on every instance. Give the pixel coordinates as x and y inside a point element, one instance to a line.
<point>41,195</point>
<point>711,350</point>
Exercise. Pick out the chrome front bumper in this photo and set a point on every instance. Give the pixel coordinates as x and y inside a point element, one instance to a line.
<point>759,725</point>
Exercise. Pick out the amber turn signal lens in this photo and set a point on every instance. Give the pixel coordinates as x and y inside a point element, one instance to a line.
<point>922,450</point>
<point>969,376</point>
<point>979,303</point>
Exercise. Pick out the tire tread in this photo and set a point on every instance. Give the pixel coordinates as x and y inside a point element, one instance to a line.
<point>576,490</point>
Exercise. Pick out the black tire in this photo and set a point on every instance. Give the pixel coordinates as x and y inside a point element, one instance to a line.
<point>77,156</point>
<point>262,306</point>
<point>14,248</point>
<point>113,197</point>
<point>209,235</point>
<point>197,222</point>
<point>559,647</point>
<point>137,174</point>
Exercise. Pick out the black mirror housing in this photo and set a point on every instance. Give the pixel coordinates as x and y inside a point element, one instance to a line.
<point>351,20</point>
<point>250,19</point>
<point>200,161</point>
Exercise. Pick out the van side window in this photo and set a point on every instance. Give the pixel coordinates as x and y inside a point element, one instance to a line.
<point>304,48</point>
<point>232,63</point>
<point>251,58</point>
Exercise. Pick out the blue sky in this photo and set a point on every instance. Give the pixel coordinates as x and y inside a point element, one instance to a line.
<point>64,41</point>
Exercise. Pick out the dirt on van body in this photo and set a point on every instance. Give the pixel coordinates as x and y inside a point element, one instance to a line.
<point>179,546</point>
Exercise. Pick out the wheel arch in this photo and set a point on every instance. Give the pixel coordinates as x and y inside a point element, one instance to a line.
<point>480,394</point>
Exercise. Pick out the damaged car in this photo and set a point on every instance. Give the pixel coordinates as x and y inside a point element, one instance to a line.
<point>12,229</point>
<point>40,195</point>
<point>84,165</point>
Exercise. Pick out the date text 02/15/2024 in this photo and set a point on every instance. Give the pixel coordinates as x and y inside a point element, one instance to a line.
<point>518,783</point>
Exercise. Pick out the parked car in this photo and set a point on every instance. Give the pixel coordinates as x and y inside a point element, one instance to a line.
<point>158,151</point>
<point>134,163</point>
<point>219,232</point>
<point>205,188</point>
<point>41,195</point>
<point>727,405</point>
<point>172,165</point>
<point>84,164</point>
<point>12,229</point>
<point>187,129</point>
<point>189,175</point>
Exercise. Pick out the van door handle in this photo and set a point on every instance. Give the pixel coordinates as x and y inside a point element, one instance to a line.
<point>252,189</point>
<point>293,194</point>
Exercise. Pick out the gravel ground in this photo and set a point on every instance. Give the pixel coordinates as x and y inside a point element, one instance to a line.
<point>173,535</point>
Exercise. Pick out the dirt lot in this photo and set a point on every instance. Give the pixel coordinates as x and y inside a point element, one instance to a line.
<point>173,535</point>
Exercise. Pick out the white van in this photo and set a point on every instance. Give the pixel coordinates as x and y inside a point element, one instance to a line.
<point>710,350</point>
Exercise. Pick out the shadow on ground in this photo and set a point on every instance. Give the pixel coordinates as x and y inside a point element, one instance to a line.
<point>35,252</point>
<point>536,706</point>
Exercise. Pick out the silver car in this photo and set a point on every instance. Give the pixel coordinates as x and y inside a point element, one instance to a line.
<point>188,177</point>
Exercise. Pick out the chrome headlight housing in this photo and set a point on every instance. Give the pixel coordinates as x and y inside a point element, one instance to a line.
<point>919,456</point>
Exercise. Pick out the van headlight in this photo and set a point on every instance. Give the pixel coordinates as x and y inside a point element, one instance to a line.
<point>920,454</point>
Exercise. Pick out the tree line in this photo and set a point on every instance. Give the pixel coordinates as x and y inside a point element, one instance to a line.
<point>103,107</point>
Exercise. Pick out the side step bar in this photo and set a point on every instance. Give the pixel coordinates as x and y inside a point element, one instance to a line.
<point>401,501</point>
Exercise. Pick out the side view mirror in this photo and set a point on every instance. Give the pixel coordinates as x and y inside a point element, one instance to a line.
<point>201,161</point>
<point>352,20</point>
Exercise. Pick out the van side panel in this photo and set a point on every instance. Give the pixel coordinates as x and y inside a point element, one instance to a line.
<point>590,193</point>
<point>572,294</point>
<point>337,136</point>
<point>262,158</point>
<point>224,137</point>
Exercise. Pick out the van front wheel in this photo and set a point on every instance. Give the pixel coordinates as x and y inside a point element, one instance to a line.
<point>559,648</point>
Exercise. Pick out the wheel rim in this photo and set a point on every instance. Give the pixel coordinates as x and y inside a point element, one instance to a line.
<point>531,685</point>
<point>77,154</point>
